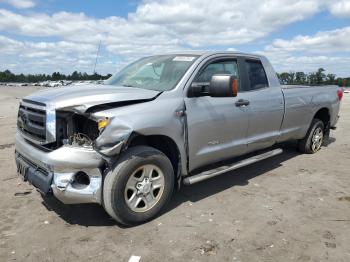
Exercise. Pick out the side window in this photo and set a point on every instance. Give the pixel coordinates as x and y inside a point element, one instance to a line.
<point>227,67</point>
<point>256,74</point>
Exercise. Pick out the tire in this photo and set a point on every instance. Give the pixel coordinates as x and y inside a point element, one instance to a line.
<point>127,183</point>
<point>309,144</point>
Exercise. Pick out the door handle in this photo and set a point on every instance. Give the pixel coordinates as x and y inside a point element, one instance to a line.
<point>242,102</point>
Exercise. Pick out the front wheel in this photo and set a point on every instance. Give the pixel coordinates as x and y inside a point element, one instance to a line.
<point>139,186</point>
<point>314,138</point>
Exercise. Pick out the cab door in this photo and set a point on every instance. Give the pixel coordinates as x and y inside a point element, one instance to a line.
<point>266,107</point>
<point>217,127</point>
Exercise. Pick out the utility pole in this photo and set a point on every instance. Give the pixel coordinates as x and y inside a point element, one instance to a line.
<point>98,51</point>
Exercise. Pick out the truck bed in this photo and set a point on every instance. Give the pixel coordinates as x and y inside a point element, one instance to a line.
<point>307,86</point>
<point>300,102</point>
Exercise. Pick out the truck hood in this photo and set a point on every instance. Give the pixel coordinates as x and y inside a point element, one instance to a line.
<point>91,97</point>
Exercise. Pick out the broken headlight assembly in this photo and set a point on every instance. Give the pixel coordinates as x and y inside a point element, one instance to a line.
<point>76,129</point>
<point>102,123</point>
<point>92,128</point>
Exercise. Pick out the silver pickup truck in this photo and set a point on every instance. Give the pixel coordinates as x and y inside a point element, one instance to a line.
<point>162,121</point>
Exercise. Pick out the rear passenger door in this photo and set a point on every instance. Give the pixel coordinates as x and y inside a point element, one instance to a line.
<point>266,107</point>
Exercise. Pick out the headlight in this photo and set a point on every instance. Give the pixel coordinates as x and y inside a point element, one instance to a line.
<point>102,123</point>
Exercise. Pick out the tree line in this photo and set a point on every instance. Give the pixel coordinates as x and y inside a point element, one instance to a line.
<point>288,78</point>
<point>314,78</point>
<point>8,76</point>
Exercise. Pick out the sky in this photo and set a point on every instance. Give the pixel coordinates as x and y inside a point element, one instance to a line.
<point>44,36</point>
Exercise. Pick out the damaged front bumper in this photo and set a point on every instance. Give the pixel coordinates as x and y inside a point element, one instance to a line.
<point>72,174</point>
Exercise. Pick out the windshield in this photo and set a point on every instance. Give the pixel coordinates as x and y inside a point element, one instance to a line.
<point>160,73</point>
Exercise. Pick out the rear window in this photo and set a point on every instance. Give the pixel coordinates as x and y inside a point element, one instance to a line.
<point>256,74</point>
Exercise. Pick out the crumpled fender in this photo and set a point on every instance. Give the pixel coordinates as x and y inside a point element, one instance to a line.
<point>115,134</point>
<point>156,117</point>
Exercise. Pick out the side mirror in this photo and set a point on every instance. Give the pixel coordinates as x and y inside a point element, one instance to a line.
<point>197,90</point>
<point>223,86</point>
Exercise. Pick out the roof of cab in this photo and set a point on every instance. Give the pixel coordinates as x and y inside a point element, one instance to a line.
<point>210,53</point>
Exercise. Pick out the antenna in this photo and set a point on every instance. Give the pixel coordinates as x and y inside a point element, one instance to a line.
<point>98,51</point>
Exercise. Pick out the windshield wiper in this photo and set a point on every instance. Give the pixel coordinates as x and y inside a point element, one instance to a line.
<point>127,85</point>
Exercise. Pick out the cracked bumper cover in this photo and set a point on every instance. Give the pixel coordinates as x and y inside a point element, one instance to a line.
<point>59,168</point>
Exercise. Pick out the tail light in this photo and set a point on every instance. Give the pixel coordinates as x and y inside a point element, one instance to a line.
<point>340,93</point>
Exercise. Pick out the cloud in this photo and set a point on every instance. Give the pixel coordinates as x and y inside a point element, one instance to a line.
<point>165,26</point>
<point>224,22</point>
<point>305,63</point>
<point>340,8</point>
<point>327,49</point>
<point>46,49</point>
<point>322,42</point>
<point>46,56</point>
<point>284,61</point>
<point>21,4</point>
<point>193,22</point>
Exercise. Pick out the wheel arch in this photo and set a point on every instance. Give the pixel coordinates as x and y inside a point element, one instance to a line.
<point>324,115</point>
<point>163,143</point>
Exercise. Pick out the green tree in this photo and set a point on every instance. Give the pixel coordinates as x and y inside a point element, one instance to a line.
<point>330,79</point>
<point>312,79</point>
<point>300,78</point>
<point>284,77</point>
<point>320,76</point>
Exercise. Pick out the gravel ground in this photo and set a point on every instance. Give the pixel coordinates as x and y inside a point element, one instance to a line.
<point>289,208</point>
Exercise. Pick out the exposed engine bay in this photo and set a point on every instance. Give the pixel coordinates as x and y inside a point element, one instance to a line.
<point>74,129</point>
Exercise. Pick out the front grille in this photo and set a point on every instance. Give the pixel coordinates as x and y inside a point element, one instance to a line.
<point>31,121</point>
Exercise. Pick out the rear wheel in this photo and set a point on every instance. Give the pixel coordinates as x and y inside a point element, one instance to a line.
<point>139,186</point>
<point>314,138</point>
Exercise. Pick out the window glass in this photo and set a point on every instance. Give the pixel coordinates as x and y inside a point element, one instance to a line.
<point>152,72</point>
<point>160,73</point>
<point>256,74</point>
<point>219,67</point>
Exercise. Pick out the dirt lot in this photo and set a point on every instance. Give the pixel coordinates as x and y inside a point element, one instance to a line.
<point>289,208</point>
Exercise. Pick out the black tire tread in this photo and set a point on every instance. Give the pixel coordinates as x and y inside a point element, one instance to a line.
<point>304,145</point>
<point>114,176</point>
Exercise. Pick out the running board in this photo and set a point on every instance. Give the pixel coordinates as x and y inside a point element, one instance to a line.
<point>223,169</point>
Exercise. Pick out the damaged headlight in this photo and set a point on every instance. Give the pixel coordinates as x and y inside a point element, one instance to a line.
<point>102,123</point>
